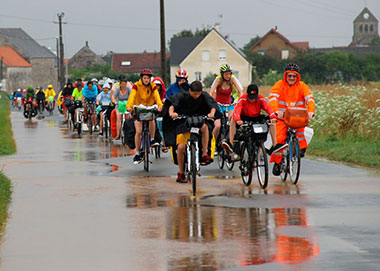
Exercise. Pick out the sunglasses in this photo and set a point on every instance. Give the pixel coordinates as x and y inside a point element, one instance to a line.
<point>292,76</point>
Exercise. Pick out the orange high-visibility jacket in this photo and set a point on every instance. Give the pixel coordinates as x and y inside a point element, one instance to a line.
<point>282,95</point>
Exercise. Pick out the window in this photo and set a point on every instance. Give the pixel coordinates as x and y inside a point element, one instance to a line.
<point>125,63</point>
<point>222,55</point>
<point>198,76</point>
<point>261,52</point>
<point>236,73</point>
<point>366,28</point>
<point>361,28</point>
<point>371,28</point>
<point>205,55</point>
<point>284,54</point>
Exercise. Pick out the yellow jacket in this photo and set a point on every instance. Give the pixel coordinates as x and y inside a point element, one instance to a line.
<point>49,92</point>
<point>145,95</point>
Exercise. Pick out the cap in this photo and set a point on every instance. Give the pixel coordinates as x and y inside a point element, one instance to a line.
<point>157,82</point>
<point>253,91</point>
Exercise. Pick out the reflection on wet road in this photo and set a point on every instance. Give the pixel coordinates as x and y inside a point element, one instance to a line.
<point>80,204</point>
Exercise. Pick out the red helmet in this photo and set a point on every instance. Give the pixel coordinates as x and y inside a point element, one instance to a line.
<point>181,73</point>
<point>146,72</point>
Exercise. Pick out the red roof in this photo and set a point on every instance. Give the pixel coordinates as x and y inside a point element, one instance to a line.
<point>135,62</point>
<point>11,58</point>
<point>65,60</point>
<point>302,45</point>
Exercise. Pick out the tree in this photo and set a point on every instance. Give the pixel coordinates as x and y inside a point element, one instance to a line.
<point>189,33</point>
<point>375,42</point>
<point>251,42</point>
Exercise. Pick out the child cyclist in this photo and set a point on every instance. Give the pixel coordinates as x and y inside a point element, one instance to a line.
<point>248,108</point>
<point>144,92</point>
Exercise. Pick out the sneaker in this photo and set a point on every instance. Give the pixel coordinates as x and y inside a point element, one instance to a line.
<point>154,143</point>
<point>101,134</point>
<point>234,157</point>
<point>276,169</point>
<point>278,147</point>
<point>137,159</point>
<point>302,152</point>
<point>206,159</point>
<point>227,146</point>
<point>181,178</point>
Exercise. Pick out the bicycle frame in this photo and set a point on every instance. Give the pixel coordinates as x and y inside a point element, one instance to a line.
<point>291,159</point>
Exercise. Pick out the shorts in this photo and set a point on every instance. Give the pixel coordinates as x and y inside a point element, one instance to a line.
<point>182,138</point>
<point>223,108</point>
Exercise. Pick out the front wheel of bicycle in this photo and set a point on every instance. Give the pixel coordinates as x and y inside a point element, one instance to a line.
<point>193,169</point>
<point>284,165</point>
<point>294,160</point>
<point>221,158</point>
<point>146,147</point>
<point>245,164</point>
<point>262,165</point>
<point>89,123</point>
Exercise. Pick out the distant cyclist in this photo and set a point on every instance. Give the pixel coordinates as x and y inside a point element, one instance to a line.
<point>222,91</point>
<point>121,94</point>
<point>144,92</point>
<point>50,94</point>
<point>67,94</point>
<point>103,99</point>
<point>289,92</point>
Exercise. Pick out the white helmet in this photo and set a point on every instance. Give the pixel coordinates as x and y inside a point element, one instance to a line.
<point>94,80</point>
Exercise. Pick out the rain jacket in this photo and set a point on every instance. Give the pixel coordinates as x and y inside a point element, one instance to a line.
<point>145,95</point>
<point>251,109</point>
<point>283,95</point>
<point>163,89</point>
<point>49,92</point>
<point>90,93</point>
<point>174,88</point>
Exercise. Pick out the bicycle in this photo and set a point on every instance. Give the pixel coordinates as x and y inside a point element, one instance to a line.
<point>192,163</point>
<point>79,115</point>
<point>90,115</point>
<point>223,156</point>
<point>252,136</point>
<point>291,158</point>
<point>145,114</point>
<point>106,120</point>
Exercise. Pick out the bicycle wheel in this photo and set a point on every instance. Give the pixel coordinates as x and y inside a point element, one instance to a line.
<point>89,123</point>
<point>79,128</point>
<point>245,164</point>
<point>284,165</point>
<point>105,127</point>
<point>262,165</point>
<point>146,147</point>
<point>229,163</point>
<point>193,169</point>
<point>221,158</point>
<point>294,160</point>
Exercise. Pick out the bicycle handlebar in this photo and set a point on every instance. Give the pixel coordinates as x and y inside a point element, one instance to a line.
<point>150,108</point>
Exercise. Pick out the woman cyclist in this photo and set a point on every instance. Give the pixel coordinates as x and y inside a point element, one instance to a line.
<point>222,90</point>
<point>121,94</point>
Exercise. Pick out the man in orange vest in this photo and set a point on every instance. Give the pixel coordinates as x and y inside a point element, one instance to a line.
<point>289,92</point>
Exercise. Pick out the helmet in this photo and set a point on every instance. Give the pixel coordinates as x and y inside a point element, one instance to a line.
<point>19,90</point>
<point>109,81</point>
<point>157,82</point>
<point>181,73</point>
<point>146,72</point>
<point>94,80</point>
<point>292,67</point>
<point>225,68</point>
<point>41,87</point>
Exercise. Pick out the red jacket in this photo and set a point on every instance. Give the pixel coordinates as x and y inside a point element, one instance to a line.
<point>251,109</point>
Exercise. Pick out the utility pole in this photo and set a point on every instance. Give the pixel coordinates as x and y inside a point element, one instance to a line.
<point>61,54</point>
<point>163,41</point>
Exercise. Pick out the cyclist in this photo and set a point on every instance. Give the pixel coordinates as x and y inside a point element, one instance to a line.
<point>67,94</point>
<point>248,108</point>
<point>162,91</point>
<point>222,90</point>
<point>289,92</point>
<point>77,95</point>
<point>181,78</point>
<point>41,96</point>
<point>193,102</point>
<point>120,94</point>
<point>90,91</point>
<point>144,92</point>
<point>103,99</point>
<point>50,93</point>
<point>30,94</point>
<point>95,82</point>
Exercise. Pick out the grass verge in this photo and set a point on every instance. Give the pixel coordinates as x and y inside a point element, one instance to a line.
<point>352,150</point>
<point>7,146</point>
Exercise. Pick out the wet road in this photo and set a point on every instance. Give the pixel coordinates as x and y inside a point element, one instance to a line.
<point>80,204</point>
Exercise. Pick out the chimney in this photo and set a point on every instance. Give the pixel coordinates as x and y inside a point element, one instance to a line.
<point>275,27</point>
<point>217,27</point>
<point>86,43</point>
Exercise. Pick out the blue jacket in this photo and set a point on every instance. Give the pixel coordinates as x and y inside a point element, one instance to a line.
<point>90,93</point>
<point>173,89</point>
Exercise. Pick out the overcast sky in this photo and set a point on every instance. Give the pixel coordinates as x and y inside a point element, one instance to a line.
<point>127,26</point>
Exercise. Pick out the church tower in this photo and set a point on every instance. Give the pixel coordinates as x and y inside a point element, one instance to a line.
<point>365,28</point>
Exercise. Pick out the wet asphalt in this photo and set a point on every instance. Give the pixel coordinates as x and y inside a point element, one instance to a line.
<point>80,204</point>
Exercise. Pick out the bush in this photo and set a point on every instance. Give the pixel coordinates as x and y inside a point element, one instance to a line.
<point>271,78</point>
<point>209,79</point>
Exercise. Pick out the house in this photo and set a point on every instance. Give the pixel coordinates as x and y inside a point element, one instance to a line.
<point>275,44</point>
<point>43,61</point>
<point>16,71</point>
<point>203,56</point>
<point>84,58</point>
<point>135,62</point>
